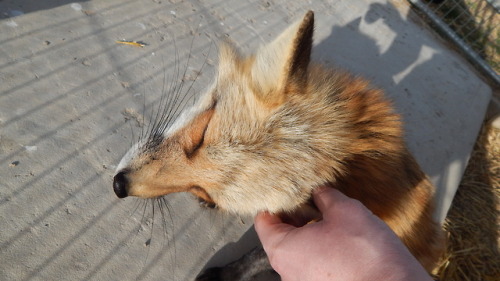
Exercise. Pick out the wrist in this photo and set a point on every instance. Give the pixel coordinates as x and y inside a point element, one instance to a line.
<point>404,269</point>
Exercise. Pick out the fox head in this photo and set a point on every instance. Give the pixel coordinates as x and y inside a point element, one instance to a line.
<point>249,144</point>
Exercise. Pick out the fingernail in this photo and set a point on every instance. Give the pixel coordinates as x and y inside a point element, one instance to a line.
<point>262,214</point>
<point>320,189</point>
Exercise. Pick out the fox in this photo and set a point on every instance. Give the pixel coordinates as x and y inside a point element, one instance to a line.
<point>271,128</point>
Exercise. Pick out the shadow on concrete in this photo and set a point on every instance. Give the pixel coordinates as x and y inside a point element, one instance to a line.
<point>234,251</point>
<point>14,8</point>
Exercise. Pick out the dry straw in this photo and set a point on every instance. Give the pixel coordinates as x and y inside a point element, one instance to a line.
<point>472,223</point>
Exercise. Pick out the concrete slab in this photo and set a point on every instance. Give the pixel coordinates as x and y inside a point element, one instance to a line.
<point>70,98</point>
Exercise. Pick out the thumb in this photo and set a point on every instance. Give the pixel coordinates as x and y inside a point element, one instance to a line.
<point>271,229</point>
<point>325,197</point>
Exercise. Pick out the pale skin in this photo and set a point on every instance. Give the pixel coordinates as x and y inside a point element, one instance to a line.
<point>349,243</point>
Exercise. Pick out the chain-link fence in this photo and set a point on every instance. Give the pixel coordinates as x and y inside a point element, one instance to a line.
<point>473,25</point>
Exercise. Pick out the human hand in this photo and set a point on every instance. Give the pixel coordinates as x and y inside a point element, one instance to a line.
<point>350,243</point>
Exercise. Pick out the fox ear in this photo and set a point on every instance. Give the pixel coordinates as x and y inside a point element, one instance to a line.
<point>229,58</point>
<point>281,66</point>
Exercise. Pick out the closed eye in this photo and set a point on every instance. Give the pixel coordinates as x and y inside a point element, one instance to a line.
<point>195,133</point>
<point>196,145</point>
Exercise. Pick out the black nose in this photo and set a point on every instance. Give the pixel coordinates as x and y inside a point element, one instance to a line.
<point>120,183</point>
